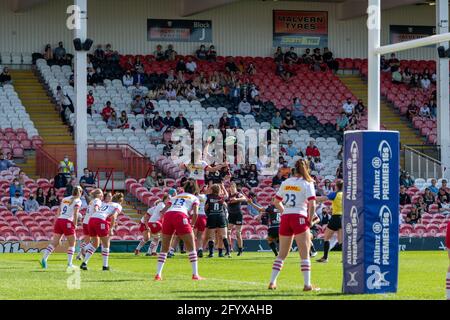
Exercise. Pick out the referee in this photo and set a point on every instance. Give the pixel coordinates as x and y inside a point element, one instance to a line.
<point>335,224</point>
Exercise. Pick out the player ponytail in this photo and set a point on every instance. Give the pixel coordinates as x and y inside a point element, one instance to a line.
<point>117,198</point>
<point>191,187</point>
<point>302,170</point>
<point>76,194</point>
<point>96,193</point>
<point>339,185</point>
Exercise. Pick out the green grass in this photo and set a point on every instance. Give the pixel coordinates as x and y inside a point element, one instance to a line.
<point>422,276</point>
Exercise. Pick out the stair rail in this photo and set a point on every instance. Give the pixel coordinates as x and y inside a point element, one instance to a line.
<point>46,165</point>
<point>109,175</point>
<point>420,165</point>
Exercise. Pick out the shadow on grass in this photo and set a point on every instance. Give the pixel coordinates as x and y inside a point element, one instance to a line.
<point>113,280</point>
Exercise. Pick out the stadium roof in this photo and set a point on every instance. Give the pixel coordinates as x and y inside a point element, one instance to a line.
<point>346,8</point>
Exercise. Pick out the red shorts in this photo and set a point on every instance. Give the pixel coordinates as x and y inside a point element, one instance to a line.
<point>98,227</point>
<point>447,238</point>
<point>175,221</point>
<point>155,227</point>
<point>65,227</point>
<point>142,227</point>
<point>85,229</point>
<point>200,224</point>
<point>293,224</point>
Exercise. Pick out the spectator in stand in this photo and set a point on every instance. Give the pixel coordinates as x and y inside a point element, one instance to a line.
<point>171,92</point>
<point>433,109</point>
<point>428,197</point>
<point>394,63</point>
<point>160,182</point>
<point>289,122</point>
<point>123,120</point>
<point>348,107</point>
<point>413,216</point>
<point>128,79</point>
<point>22,177</point>
<point>181,66</point>
<point>425,83</point>
<point>5,164</point>
<point>212,53</point>
<point>159,53</point>
<point>138,105</point>
<point>70,186</point>
<point>15,187</point>
<point>107,110</point>
<point>67,166</point>
<point>251,178</point>
<point>113,122</point>
<point>277,120</point>
<point>397,77</point>
<point>137,91</point>
<point>425,111</point>
<point>297,108</point>
<point>244,106</point>
<point>99,53</point>
<point>359,107</point>
<point>433,187</point>
<point>444,203</point>
<point>340,171</point>
<point>327,188</point>
<point>444,186</point>
<point>150,181</point>
<point>224,122</point>
<point>40,196</point>
<point>5,77</point>
<point>201,53</point>
<point>235,93</point>
<point>90,102</point>
<point>139,79</point>
<point>342,122</point>
<point>31,204</point>
<point>412,110</point>
<point>404,197</point>
<point>191,66</point>
<point>257,106</point>
<point>48,54</point>
<point>407,76</point>
<point>181,122</point>
<point>384,64</point>
<point>306,57</point>
<point>441,194</point>
<point>60,180</point>
<point>291,56</point>
<point>230,66</point>
<point>312,150</point>
<point>317,60</point>
<point>285,170</point>
<point>277,180</point>
<point>157,122</point>
<point>170,53</point>
<point>16,202</point>
<point>168,120</point>
<point>251,69</point>
<point>59,53</point>
<point>406,180</point>
<point>328,58</point>
<point>234,121</point>
<point>278,55</point>
<point>291,150</point>
<point>88,179</point>
<point>52,199</point>
<point>415,81</point>
<point>281,71</point>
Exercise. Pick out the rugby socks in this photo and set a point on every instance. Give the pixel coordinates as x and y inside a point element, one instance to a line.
<point>153,245</point>
<point>161,260</point>
<point>194,261</point>
<point>105,255</point>
<point>171,251</point>
<point>140,245</point>
<point>240,250</point>
<point>226,245</point>
<point>305,266</point>
<point>326,249</point>
<point>48,252</point>
<point>276,269</point>
<point>82,249</point>
<point>273,246</point>
<point>211,247</point>
<point>70,253</point>
<point>448,286</point>
<point>90,249</point>
<point>220,251</point>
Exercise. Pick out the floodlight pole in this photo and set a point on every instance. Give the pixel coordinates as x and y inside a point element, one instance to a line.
<point>80,79</point>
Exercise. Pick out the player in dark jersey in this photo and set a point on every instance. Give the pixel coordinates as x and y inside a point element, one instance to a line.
<point>216,219</point>
<point>271,217</point>
<point>235,215</point>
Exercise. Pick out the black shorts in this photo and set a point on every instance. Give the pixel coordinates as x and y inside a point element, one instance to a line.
<point>273,233</point>
<point>314,232</point>
<point>335,223</point>
<point>216,221</point>
<point>235,218</point>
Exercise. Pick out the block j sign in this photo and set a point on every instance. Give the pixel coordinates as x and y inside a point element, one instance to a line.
<point>179,30</point>
<point>371,211</point>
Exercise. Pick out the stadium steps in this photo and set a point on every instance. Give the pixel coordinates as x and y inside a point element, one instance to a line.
<point>391,119</point>
<point>132,212</point>
<point>28,164</point>
<point>40,108</point>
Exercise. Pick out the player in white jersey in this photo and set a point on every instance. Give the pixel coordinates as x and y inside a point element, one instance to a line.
<point>66,224</point>
<point>94,205</point>
<point>151,225</point>
<point>101,227</point>
<point>296,202</point>
<point>176,216</point>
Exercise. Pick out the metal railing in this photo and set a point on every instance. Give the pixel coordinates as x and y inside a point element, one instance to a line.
<point>420,165</point>
<point>109,176</point>
<point>46,165</point>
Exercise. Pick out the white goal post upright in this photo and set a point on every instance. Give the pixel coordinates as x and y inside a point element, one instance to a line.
<point>375,50</point>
